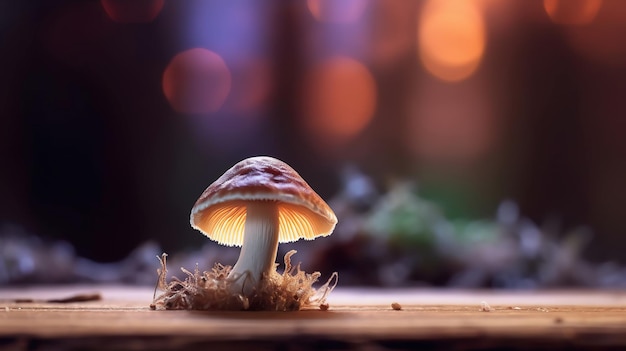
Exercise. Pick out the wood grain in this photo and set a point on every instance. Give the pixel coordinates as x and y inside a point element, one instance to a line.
<point>357,319</point>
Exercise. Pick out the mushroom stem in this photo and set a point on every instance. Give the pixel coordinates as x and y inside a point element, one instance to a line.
<point>260,244</point>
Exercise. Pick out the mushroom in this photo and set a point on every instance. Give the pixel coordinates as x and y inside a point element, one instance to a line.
<point>256,204</point>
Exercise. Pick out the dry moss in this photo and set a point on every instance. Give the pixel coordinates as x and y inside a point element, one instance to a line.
<point>212,290</point>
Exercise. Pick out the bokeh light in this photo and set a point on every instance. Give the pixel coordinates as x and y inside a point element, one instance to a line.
<point>135,11</point>
<point>196,81</point>
<point>572,12</point>
<point>601,40</point>
<point>337,11</point>
<point>340,98</point>
<point>452,38</point>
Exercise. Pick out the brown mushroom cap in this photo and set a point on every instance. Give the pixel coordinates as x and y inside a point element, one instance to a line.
<point>220,212</point>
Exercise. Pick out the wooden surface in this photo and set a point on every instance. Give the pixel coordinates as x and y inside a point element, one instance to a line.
<point>357,319</point>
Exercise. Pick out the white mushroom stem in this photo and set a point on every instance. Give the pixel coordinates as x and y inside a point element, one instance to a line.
<point>260,244</point>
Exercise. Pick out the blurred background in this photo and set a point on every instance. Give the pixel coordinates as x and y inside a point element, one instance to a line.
<point>461,142</point>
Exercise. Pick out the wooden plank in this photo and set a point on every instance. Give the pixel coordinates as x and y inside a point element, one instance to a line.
<point>356,317</point>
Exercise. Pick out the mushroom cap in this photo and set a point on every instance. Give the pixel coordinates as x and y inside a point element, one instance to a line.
<point>220,212</point>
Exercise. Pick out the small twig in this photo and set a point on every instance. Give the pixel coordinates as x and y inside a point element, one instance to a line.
<point>73,298</point>
<point>78,298</point>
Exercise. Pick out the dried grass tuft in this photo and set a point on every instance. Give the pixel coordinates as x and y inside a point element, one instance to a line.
<point>212,290</point>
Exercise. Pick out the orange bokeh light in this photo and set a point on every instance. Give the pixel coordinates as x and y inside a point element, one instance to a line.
<point>601,40</point>
<point>573,12</point>
<point>196,81</point>
<point>340,98</point>
<point>337,11</point>
<point>135,11</point>
<point>452,38</point>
